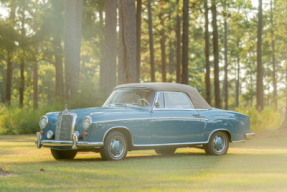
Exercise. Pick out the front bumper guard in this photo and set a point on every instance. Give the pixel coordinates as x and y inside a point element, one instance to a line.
<point>249,135</point>
<point>74,143</point>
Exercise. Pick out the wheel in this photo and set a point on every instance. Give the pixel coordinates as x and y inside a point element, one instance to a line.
<point>58,154</point>
<point>165,151</point>
<point>218,144</point>
<point>115,147</point>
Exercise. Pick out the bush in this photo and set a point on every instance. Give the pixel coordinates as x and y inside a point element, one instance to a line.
<point>15,120</point>
<point>268,118</point>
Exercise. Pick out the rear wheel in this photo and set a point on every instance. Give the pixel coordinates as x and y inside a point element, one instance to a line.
<point>218,144</point>
<point>59,154</point>
<point>115,147</point>
<point>165,151</point>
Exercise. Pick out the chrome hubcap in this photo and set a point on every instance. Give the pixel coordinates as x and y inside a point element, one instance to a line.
<point>117,147</point>
<point>219,143</point>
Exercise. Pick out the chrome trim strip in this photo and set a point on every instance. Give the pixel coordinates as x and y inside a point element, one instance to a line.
<point>168,118</point>
<point>174,109</point>
<point>173,118</point>
<point>238,141</point>
<point>170,144</point>
<point>249,135</point>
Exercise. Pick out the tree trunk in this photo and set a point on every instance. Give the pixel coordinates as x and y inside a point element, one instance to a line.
<point>237,81</point>
<point>101,39</point>
<point>72,44</point>
<point>259,80</point>
<point>35,85</point>
<point>284,124</point>
<point>215,55</point>
<point>9,71</point>
<point>151,49</point>
<point>139,20</point>
<point>162,47</point>
<point>207,63</point>
<point>171,59</point>
<point>251,87</point>
<point>22,81</point>
<point>178,46</point>
<point>22,65</point>
<point>185,43</point>
<point>225,87</point>
<point>273,60</point>
<point>8,78</point>
<point>127,62</point>
<point>83,68</point>
<point>108,69</point>
<point>59,69</point>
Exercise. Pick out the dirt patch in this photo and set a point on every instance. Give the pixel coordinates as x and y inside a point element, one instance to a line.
<point>5,172</point>
<point>272,133</point>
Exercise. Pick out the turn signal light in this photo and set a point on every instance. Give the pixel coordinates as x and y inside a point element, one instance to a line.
<point>41,132</point>
<point>85,133</point>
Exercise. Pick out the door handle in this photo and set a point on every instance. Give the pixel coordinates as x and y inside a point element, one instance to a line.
<point>195,115</point>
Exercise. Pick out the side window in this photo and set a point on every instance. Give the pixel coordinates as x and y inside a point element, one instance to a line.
<point>177,100</point>
<point>160,100</point>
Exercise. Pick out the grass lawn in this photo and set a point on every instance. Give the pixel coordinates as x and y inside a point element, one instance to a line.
<point>256,165</point>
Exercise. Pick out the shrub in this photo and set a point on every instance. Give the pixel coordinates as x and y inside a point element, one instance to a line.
<point>268,118</point>
<point>15,120</point>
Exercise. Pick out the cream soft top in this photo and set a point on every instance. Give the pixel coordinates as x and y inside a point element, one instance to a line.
<point>197,100</point>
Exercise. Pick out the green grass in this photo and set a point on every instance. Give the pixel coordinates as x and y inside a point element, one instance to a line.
<point>256,165</point>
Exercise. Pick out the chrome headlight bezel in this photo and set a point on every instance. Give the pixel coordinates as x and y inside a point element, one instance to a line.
<point>43,124</point>
<point>50,134</point>
<point>86,125</point>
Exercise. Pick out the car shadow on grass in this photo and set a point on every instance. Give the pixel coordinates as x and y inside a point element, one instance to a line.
<point>141,156</point>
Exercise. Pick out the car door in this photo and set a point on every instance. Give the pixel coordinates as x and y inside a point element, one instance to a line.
<point>175,120</point>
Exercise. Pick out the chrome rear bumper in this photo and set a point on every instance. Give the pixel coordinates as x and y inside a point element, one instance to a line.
<point>249,135</point>
<point>75,144</point>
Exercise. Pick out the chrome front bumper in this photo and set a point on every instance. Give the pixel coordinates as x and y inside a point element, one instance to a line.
<point>75,144</point>
<point>249,135</point>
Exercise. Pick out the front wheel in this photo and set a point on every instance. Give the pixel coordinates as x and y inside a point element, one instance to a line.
<point>59,154</point>
<point>115,147</point>
<point>218,144</point>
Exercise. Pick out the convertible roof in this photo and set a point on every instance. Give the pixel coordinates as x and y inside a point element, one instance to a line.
<point>197,100</point>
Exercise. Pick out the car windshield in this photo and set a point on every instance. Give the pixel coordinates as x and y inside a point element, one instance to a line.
<point>139,97</point>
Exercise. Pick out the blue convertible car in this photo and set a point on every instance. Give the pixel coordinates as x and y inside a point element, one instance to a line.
<point>159,116</point>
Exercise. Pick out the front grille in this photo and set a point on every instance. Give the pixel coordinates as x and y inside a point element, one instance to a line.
<point>64,127</point>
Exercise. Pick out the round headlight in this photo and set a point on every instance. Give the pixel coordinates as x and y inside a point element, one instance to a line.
<point>50,134</point>
<point>43,122</point>
<point>87,122</point>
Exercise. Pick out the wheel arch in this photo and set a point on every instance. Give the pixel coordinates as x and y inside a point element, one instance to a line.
<point>123,130</point>
<point>223,130</point>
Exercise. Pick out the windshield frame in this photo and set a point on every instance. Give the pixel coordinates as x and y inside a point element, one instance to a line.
<point>106,104</point>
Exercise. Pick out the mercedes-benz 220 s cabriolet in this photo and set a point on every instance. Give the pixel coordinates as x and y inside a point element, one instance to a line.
<point>159,116</point>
